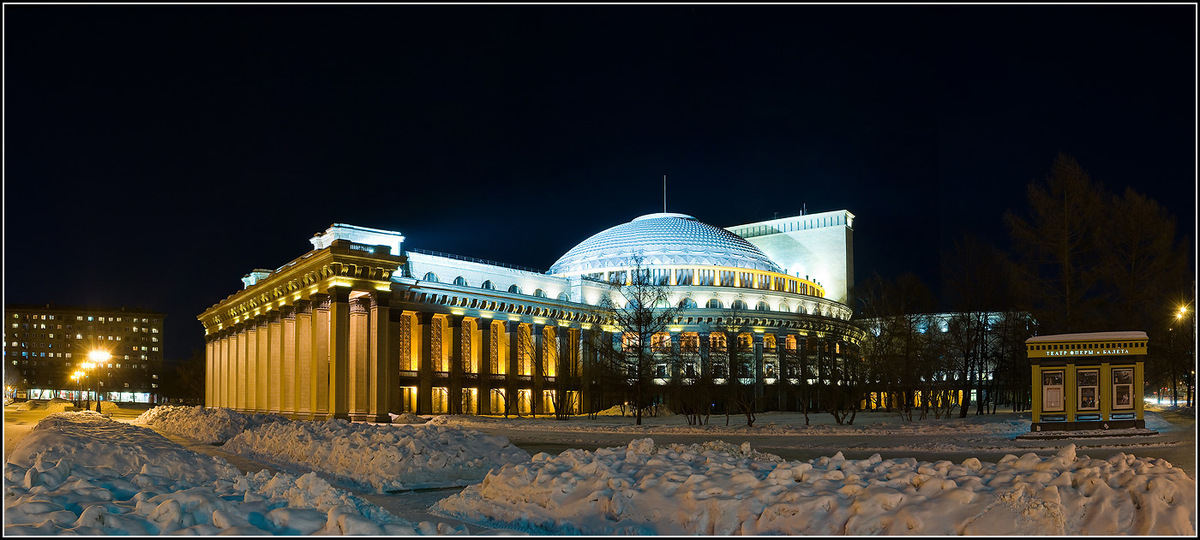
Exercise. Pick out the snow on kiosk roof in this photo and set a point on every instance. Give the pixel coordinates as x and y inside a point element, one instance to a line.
<point>1091,336</point>
<point>1089,344</point>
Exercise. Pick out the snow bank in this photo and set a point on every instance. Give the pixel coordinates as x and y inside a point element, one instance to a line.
<point>379,457</point>
<point>81,473</point>
<point>208,425</point>
<point>406,418</point>
<point>59,405</point>
<point>712,490</point>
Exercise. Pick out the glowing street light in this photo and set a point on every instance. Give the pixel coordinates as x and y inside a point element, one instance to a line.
<point>78,378</point>
<point>87,366</point>
<point>99,357</point>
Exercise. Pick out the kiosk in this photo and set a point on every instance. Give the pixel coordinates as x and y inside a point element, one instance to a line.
<point>1087,381</point>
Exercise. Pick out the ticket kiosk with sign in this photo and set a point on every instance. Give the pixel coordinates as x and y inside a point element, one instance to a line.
<point>1087,381</point>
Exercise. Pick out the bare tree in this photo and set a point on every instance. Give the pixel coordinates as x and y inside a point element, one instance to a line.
<point>641,310</point>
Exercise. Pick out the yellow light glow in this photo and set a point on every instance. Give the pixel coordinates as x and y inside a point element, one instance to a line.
<point>457,312</point>
<point>87,365</point>
<point>99,356</point>
<point>383,286</point>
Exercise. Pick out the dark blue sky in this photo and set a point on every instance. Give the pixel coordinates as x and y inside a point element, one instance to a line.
<point>156,154</point>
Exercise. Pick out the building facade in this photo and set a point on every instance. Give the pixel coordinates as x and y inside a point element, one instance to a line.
<point>358,327</point>
<point>45,344</point>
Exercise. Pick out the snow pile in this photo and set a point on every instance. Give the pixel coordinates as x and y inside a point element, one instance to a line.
<point>406,418</point>
<point>26,406</point>
<point>699,490</point>
<point>59,405</point>
<point>83,474</point>
<point>208,425</point>
<point>376,457</point>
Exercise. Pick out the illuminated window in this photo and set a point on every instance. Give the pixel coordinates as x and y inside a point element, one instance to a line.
<point>154,330</point>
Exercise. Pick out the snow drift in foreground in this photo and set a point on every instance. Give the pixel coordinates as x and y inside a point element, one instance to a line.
<point>213,426</point>
<point>712,489</point>
<point>82,473</point>
<point>371,457</point>
<point>376,457</point>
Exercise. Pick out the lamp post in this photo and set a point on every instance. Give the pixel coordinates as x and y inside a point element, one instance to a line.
<point>78,378</point>
<point>87,366</point>
<point>99,357</point>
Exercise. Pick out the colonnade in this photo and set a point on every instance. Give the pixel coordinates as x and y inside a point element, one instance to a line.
<point>351,354</point>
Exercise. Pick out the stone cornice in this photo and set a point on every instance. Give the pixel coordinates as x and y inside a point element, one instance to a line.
<point>341,265</point>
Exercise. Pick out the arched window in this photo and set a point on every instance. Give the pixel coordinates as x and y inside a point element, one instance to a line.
<point>488,285</point>
<point>762,306</point>
<point>738,304</point>
<point>514,289</point>
<point>460,281</point>
<point>714,304</point>
<point>430,276</point>
<point>564,297</point>
<point>687,303</point>
<point>784,307</point>
<point>539,293</point>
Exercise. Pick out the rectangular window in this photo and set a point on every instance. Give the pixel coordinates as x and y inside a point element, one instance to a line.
<point>1122,388</point>
<point>1052,391</point>
<point>1088,384</point>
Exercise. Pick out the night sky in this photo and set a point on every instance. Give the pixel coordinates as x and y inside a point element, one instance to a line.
<point>156,154</point>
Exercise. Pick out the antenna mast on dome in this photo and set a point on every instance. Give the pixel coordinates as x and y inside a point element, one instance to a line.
<point>664,193</point>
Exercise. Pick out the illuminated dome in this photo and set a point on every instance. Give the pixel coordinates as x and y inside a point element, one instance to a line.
<point>663,239</point>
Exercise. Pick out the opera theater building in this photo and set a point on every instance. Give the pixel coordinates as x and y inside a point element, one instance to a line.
<point>359,327</point>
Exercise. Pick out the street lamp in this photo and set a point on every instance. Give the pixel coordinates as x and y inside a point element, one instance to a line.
<point>99,357</point>
<point>78,378</point>
<point>87,366</point>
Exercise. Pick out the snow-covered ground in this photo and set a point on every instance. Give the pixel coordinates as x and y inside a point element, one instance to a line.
<point>82,473</point>
<point>94,475</point>
<point>714,489</point>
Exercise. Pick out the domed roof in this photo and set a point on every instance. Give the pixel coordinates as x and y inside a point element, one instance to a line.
<point>663,239</point>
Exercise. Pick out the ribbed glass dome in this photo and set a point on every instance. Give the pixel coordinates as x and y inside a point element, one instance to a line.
<point>663,239</point>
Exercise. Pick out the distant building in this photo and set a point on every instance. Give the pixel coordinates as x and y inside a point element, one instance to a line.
<point>45,344</point>
<point>358,327</point>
